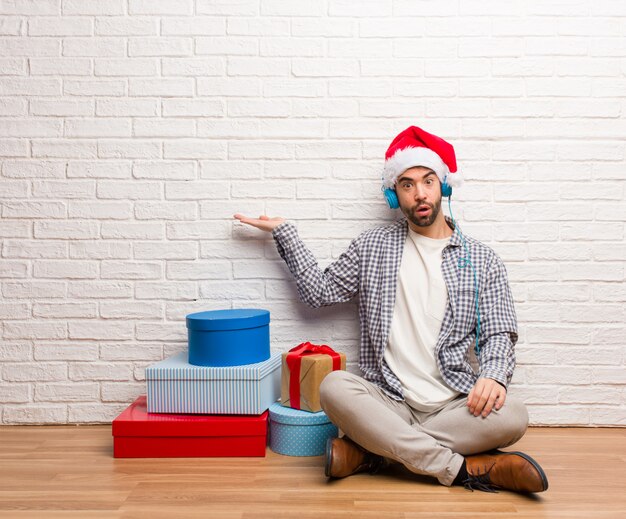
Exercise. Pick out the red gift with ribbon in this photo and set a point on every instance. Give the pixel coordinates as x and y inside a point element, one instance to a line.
<point>304,368</point>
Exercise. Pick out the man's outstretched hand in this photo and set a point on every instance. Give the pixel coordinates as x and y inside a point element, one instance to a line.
<point>484,396</point>
<point>265,223</point>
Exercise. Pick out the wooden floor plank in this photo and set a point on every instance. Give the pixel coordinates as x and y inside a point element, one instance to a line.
<point>69,471</point>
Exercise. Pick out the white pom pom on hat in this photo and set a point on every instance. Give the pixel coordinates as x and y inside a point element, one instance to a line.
<point>416,147</point>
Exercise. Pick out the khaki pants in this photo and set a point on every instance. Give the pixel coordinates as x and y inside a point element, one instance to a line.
<point>426,443</point>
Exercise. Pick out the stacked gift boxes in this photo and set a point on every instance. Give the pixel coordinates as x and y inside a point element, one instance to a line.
<point>211,400</point>
<point>299,427</point>
<point>216,399</point>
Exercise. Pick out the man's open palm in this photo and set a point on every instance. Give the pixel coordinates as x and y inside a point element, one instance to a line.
<point>263,222</point>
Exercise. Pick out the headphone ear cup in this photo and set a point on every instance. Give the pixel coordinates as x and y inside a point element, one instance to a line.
<point>446,190</point>
<point>392,198</point>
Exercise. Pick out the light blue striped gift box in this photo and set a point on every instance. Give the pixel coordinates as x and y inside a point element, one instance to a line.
<point>175,386</point>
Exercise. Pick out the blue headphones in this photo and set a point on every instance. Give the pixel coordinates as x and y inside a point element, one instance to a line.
<point>446,191</point>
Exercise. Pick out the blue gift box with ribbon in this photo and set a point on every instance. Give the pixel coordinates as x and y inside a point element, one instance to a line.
<point>228,337</point>
<point>299,433</point>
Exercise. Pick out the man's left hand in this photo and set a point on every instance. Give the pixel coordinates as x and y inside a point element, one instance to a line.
<point>485,394</point>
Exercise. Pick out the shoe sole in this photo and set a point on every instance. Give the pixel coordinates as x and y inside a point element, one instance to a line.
<point>329,450</point>
<point>544,479</point>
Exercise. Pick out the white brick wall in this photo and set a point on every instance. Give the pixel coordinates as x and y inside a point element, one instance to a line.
<point>132,130</point>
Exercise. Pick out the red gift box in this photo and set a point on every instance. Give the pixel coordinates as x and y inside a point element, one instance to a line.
<point>139,434</point>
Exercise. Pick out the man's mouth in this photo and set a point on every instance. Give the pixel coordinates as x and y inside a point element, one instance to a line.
<point>423,210</point>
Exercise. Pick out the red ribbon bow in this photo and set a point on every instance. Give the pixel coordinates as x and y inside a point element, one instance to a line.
<point>294,361</point>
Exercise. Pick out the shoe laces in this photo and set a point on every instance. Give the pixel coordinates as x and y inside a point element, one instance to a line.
<point>480,481</point>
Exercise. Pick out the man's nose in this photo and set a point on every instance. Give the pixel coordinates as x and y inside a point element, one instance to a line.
<point>419,193</point>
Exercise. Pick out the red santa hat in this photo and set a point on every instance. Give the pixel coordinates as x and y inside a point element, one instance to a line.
<point>416,147</point>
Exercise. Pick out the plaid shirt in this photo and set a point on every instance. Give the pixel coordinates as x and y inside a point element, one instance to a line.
<point>370,268</point>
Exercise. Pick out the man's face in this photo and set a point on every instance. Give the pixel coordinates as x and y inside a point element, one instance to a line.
<point>419,195</point>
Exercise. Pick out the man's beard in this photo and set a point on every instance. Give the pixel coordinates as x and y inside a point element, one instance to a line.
<point>422,221</point>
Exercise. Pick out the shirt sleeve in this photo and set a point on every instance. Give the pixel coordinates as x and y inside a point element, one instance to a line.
<point>498,323</point>
<point>338,283</point>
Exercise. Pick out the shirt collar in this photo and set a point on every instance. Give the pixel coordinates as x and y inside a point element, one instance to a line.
<point>455,239</point>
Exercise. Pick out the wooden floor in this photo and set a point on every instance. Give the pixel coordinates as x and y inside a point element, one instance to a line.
<point>69,471</point>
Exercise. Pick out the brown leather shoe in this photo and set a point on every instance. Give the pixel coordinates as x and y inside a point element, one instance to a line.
<point>508,470</point>
<point>344,458</point>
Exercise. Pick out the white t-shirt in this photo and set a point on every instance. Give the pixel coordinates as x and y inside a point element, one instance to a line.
<point>421,299</point>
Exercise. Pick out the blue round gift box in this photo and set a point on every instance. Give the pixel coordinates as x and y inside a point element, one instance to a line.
<point>299,433</point>
<point>228,337</point>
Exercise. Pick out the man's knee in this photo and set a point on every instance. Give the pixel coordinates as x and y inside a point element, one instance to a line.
<point>516,422</point>
<point>332,385</point>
